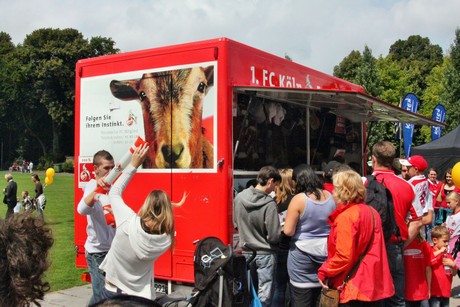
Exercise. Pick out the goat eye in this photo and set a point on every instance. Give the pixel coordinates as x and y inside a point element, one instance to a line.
<point>201,87</point>
<point>142,95</point>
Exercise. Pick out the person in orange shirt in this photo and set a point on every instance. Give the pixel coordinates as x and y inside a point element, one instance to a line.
<point>356,238</point>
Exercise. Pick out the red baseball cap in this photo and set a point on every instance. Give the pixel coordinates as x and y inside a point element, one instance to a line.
<point>415,161</point>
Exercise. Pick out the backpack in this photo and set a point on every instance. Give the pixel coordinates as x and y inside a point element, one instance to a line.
<point>380,198</point>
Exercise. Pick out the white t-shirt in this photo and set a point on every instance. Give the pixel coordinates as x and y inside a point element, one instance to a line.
<point>100,235</point>
<point>453,224</point>
<point>423,196</point>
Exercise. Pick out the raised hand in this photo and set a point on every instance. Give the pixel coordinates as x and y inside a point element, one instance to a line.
<point>139,155</point>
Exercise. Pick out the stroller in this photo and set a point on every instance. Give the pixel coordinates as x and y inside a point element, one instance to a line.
<point>455,251</point>
<point>221,276</point>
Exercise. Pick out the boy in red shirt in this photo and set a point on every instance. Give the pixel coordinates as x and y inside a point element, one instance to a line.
<point>417,264</point>
<point>443,267</point>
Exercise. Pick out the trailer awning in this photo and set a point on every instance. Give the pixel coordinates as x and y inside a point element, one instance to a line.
<point>355,106</point>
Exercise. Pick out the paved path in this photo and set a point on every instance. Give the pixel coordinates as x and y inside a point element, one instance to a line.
<point>73,297</point>
<point>79,296</point>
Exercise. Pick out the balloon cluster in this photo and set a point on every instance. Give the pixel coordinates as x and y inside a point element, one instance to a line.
<point>456,174</point>
<point>49,176</point>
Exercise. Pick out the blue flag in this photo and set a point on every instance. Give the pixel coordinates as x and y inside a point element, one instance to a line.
<point>439,115</point>
<point>410,103</point>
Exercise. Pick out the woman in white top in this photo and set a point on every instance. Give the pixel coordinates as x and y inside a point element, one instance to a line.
<point>140,238</point>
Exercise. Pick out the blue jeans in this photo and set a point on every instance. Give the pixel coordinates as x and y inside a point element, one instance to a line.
<point>97,276</point>
<point>281,279</point>
<point>444,213</point>
<point>396,264</point>
<point>40,212</point>
<point>424,303</point>
<point>262,271</point>
<point>439,301</point>
<point>107,295</point>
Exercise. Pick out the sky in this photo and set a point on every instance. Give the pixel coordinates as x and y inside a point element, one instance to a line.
<point>314,33</point>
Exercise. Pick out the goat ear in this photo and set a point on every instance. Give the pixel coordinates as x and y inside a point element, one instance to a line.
<point>123,90</point>
<point>209,73</point>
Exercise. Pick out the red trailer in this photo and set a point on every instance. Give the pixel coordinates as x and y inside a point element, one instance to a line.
<point>213,112</point>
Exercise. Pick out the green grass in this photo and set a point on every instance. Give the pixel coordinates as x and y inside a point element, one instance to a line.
<point>59,215</point>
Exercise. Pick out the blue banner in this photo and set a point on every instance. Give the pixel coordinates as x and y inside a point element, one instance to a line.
<point>439,115</point>
<point>410,103</point>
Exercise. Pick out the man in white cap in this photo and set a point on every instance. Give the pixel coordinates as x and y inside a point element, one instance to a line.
<point>416,165</point>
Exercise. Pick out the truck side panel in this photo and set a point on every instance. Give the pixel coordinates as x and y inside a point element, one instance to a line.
<point>121,97</point>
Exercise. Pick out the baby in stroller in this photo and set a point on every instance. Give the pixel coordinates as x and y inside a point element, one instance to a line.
<point>28,202</point>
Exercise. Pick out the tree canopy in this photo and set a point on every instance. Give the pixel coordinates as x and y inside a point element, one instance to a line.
<point>37,91</point>
<point>413,66</point>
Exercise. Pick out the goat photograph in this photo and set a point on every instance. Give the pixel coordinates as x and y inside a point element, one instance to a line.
<point>170,109</point>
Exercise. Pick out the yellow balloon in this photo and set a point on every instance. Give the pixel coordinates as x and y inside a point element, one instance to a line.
<point>50,172</point>
<point>456,174</point>
<point>48,180</point>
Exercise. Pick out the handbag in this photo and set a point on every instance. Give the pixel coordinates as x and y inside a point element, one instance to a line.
<point>4,200</point>
<point>331,297</point>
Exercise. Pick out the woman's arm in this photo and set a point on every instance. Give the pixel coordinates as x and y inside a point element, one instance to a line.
<point>345,244</point>
<point>120,210</point>
<point>296,206</point>
<point>428,276</point>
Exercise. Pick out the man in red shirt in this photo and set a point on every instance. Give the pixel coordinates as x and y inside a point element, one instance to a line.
<point>383,155</point>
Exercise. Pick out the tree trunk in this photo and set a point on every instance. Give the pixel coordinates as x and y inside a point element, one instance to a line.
<point>57,150</point>
<point>32,133</point>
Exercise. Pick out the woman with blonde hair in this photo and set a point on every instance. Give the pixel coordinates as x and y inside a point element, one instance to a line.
<point>140,238</point>
<point>285,191</point>
<point>357,262</point>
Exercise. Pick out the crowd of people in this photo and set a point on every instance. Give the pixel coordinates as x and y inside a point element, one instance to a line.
<point>327,237</point>
<point>25,203</point>
<point>310,234</point>
<point>24,167</point>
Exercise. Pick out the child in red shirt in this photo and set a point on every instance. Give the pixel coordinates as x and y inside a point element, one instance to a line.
<point>417,265</point>
<point>443,267</point>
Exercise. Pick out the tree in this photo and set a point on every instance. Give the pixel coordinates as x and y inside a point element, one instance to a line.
<point>416,48</point>
<point>367,74</point>
<point>6,45</point>
<point>8,129</point>
<point>37,87</point>
<point>417,57</point>
<point>431,96</point>
<point>393,78</point>
<point>347,69</point>
<point>54,53</point>
<point>451,88</point>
